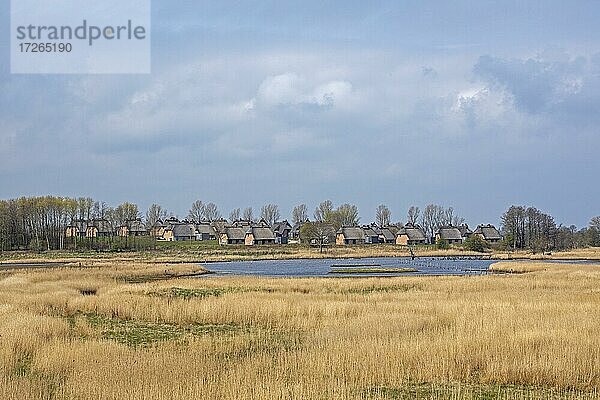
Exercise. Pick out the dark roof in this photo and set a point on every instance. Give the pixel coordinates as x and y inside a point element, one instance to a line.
<point>261,233</point>
<point>205,228</point>
<point>159,224</point>
<point>387,233</point>
<point>414,232</point>
<point>183,230</point>
<point>241,223</point>
<point>464,230</point>
<point>219,225</point>
<point>369,231</point>
<point>488,231</point>
<point>352,233</point>
<point>235,233</point>
<point>449,233</point>
<point>102,225</point>
<point>135,225</point>
<point>280,227</point>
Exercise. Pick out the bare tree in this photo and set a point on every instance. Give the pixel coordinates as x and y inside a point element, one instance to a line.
<point>126,212</point>
<point>317,232</point>
<point>85,205</point>
<point>433,217</point>
<point>234,215</point>
<point>299,214</point>
<point>270,213</point>
<point>197,211</point>
<point>383,215</point>
<point>99,210</point>
<point>248,214</point>
<point>413,215</point>
<point>344,215</point>
<point>211,212</point>
<point>154,214</point>
<point>322,210</point>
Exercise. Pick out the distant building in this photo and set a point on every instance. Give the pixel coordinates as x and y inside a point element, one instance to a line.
<point>350,235</point>
<point>371,234</point>
<point>232,235</point>
<point>99,228</point>
<point>465,232</point>
<point>204,231</point>
<point>219,226</point>
<point>259,234</point>
<point>295,233</point>
<point>449,234</point>
<point>132,227</point>
<point>488,232</point>
<point>387,235</point>
<point>282,231</point>
<point>410,235</point>
<point>179,231</point>
<point>158,229</point>
<point>77,228</point>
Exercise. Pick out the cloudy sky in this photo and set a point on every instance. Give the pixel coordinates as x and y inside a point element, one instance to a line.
<point>472,104</point>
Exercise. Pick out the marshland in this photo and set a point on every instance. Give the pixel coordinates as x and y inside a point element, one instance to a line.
<point>124,329</point>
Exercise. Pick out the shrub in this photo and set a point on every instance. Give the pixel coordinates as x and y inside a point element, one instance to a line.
<point>442,244</point>
<point>475,243</point>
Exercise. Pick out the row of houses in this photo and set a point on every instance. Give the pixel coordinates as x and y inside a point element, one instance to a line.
<point>261,233</point>
<point>412,234</point>
<point>102,228</point>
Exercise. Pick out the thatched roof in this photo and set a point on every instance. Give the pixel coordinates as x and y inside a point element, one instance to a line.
<point>352,232</point>
<point>489,232</point>
<point>235,233</point>
<point>183,230</point>
<point>449,233</point>
<point>261,233</point>
<point>464,230</point>
<point>282,226</point>
<point>413,232</point>
<point>205,229</point>
<point>387,234</point>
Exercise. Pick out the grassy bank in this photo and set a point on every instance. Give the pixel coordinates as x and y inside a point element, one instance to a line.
<point>211,251</point>
<point>130,331</point>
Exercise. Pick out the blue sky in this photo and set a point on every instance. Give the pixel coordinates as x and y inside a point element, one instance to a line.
<point>471,104</point>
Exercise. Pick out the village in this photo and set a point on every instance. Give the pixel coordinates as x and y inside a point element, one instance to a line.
<point>252,233</point>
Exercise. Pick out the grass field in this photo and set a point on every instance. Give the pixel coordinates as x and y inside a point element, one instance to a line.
<point>124,330</point>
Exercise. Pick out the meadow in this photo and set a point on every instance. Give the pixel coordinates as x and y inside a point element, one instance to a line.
<point>139,330</point>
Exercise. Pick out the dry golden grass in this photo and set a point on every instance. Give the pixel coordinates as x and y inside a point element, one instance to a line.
<point>524,336</point>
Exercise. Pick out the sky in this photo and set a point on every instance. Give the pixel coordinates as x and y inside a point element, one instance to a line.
<point>476,105</point>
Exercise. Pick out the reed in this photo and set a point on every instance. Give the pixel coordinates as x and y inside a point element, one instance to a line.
<point>87,333</point>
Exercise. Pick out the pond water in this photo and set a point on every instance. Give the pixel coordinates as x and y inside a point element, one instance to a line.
<point>323,267</point>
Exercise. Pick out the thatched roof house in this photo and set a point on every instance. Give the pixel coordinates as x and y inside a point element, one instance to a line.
<point>449,234</point>
<point>371,234</point>
<point>350,235</point>
<point>387,235</point>
<point>465,232</point>
<point>257,235</point>
<point>204,231</point>
<point>410,235</point>
<point>232,235</point>
<point>488,232</point>
<point>180,231</point>
<point>282,230</point>
<point>99,228</point>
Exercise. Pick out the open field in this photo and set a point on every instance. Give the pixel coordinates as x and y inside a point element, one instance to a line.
<point>122,330</point>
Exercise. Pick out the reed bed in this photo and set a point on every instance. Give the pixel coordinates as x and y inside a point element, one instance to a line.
<point>89,333</point>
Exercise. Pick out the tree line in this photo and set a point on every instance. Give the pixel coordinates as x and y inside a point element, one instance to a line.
<point>40,223</point>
